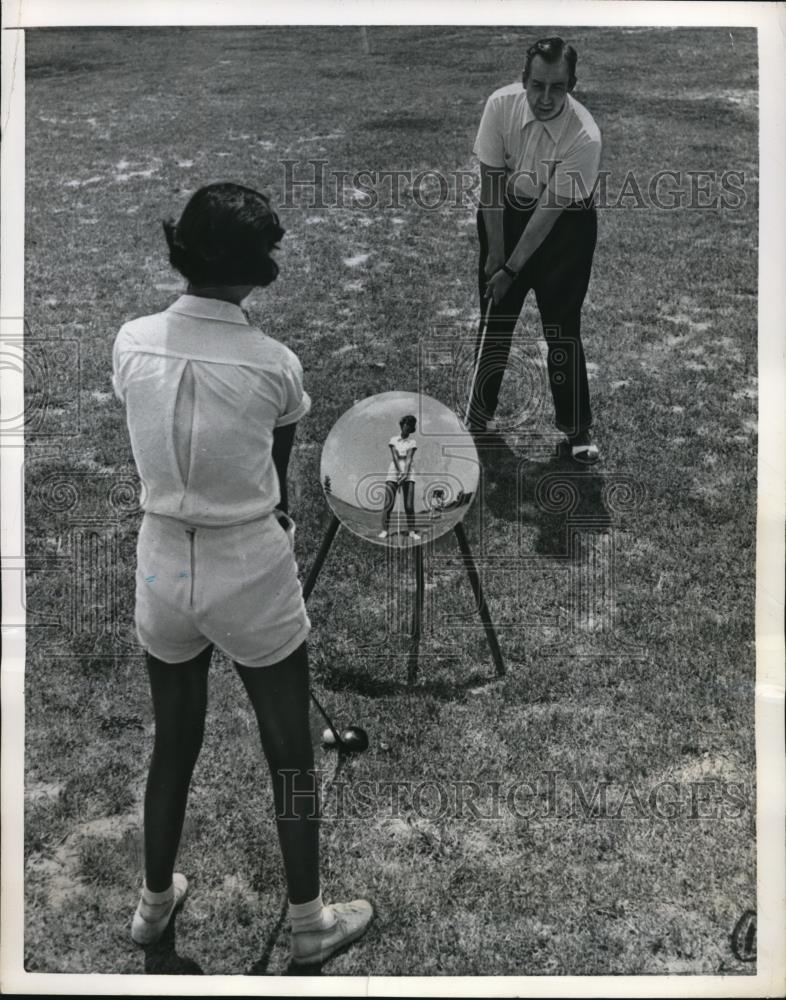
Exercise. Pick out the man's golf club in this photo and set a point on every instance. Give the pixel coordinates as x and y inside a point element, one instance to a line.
<point>483,332</point>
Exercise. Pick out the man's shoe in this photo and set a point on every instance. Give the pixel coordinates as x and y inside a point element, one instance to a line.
<point>479,427</point>
<point>382,534</point>
<point>351,921</point>
<point>581,449</point>
<point>414,536</point>
<point>151,919</point>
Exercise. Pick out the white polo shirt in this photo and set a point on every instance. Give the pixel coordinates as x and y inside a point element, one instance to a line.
<point>203,391</point>
<point>534,153</point>
<point>402,447</point>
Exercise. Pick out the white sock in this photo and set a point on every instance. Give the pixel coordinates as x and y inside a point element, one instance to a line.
<point>311,916</point>
<point>151,898</point>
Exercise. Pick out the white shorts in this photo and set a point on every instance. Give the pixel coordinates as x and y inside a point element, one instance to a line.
<point>235,587</point>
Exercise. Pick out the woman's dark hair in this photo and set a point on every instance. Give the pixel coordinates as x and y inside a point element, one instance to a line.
<point>408,419</point>
<point>552,50</point>
<point>224,237</point>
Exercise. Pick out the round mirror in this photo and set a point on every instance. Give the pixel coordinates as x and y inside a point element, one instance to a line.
<point>399,469</point>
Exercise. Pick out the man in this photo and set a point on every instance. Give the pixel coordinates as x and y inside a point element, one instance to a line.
<point>539,152</point>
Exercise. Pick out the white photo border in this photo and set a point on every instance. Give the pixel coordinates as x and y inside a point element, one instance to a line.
<point>770,20</point>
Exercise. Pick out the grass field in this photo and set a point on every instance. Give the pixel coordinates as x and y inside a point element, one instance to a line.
<point>626,621</point>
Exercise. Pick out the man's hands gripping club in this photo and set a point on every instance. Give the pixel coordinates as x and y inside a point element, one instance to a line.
<point>501,273</point>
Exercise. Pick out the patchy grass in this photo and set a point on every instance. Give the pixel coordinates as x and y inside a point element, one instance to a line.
<point>627,624</point>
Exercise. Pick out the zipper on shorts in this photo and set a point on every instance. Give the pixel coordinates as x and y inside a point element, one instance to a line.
<point>191,532</point>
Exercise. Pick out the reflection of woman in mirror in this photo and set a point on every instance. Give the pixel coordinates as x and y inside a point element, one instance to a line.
<point>402,450</point>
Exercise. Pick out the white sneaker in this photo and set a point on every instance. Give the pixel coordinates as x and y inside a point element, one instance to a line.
<point>352,920</point>
<point>481,426</point>
<point>414,536</point>
<point>382,534</point>
<point>151,919</point>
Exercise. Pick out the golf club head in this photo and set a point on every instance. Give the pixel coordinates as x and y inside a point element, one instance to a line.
<point>354,740</point>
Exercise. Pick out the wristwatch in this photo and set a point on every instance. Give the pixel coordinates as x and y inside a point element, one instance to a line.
<point>509,271</point>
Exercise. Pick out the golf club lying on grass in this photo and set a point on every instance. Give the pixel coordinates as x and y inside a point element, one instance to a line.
<point>354,739</point>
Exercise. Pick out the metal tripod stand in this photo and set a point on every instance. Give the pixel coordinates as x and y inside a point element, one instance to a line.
<point>417,617</point>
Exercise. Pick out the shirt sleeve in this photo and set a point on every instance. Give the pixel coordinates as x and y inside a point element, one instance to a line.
<point>490,144</point>
<point>574,177</point>
<point>117,382</point>
<point>295,400</point>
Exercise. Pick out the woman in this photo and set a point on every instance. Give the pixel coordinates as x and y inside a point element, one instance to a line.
<point>212,405</point>
<point>402,452</point>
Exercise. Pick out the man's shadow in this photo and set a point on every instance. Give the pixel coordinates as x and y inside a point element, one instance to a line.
<point>540,493</point>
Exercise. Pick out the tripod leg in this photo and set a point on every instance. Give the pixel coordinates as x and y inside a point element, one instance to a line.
<point>324,548</point>
<point>483,611</point>
<point>417,617</point>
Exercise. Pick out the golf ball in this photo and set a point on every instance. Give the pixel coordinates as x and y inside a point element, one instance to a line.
<point>328,739</point>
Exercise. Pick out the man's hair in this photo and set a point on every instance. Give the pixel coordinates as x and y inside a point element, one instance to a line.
<point>408,419</point>
<point>224,237</point>
<point>552,50</point>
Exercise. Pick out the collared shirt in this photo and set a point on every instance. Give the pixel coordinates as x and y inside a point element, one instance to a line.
<point>402,447</point>
<point>562,153</point>
<point>203,391</point>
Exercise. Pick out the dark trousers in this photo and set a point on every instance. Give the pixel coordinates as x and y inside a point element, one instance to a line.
<point>559,273</point>
<point>408,489</point>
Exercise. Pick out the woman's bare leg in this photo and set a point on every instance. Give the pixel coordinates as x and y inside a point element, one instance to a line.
<point>179,693</point>
<point>280,698</point>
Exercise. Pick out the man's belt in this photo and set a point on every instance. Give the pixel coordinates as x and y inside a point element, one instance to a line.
<point>527,205</point>
<point>519,204</point>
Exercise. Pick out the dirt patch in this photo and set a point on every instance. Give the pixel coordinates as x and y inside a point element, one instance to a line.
<point>356,261</point>
<point>44,790</point>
